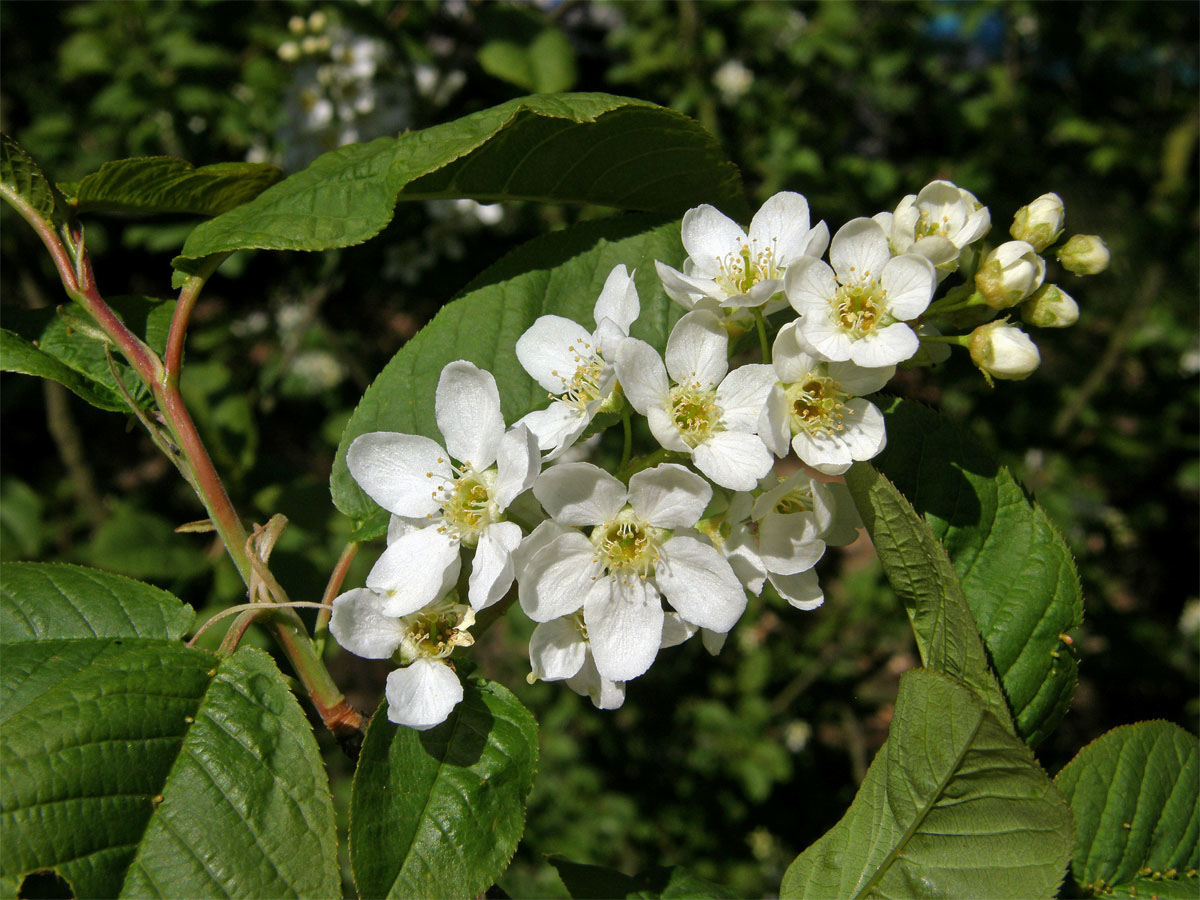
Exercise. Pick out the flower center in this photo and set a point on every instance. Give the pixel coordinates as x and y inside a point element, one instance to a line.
<point>587,382</point>
<point>861,307</point>
<point>816,406</point>
<point>742,270</point>
<point>695,412</point>
<point>467,504</point>
<point>435,631</point>
<point>797,500</point>
<point>928,226</point>
<point>627,545</point>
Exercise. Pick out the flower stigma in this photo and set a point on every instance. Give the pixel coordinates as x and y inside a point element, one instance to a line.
<point>585,384</point>
<point>815,405</point>
<point>860,307</point>
<point>435,631</point>
<point>695,412</point>
<point>743,270</point>
<point>467,503</point>
<point>627,545</point>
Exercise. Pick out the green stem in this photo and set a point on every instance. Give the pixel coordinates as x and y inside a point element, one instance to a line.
<point>173,358</point>
<point>962,340</point>
<point>645,462</point>
<point>952,303</point>
<point>332,588</point>
<point>627,448</point>
<point>763,344</point>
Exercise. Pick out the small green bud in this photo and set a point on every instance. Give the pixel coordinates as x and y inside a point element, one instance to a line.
<point>1084,254</point>
<point>1050,307</point>
<point>1009,274</point>
<point>1004,351</point>
<point>1040,223</point>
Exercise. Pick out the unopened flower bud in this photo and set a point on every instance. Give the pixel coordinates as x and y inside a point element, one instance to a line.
<point>1084,254</point>
<point>1004,351</point>
<point>289,51</point>
<point>1040,223</point>
<point>296,25</point>
<point>1050,307</point>
<point>1009,274</point>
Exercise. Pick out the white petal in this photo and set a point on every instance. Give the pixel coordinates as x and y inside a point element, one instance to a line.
<point>665,431</point>
<point>742,394</point>
<point>624,619</point>
<point>713,640</point>
<point>618,299</point>
<point>423,694</point>
<point>556,650</point>
<point>675,631</point>
<point>708,236</point>
<point>844,520</point>
<point>642,375</point>
<point>788,357</point>
<point>548,351</point>
<point>415,570</point>
<point>468,413</point>
<point>789,543</point>
<point>669,496</point>
<point>400,472</point>
<point>824,338</point>
<point>909,281</point>
<point>886,347</point>
<point>697,350</point>
<point>517,465</point>
<point>359,625</point>
<point>802,590</point>
<point>865,432</point>
<point>824,453</point>
<point>492,568</point>
<point>809,284</point>
<point>857,381</point>
<point>782,221</point>
<point>773,427</point>
<point>733,459</point>
<point>742,552</point>
<point>557,577</point>
<point>603,693</point>
<point>685,289</point>
<point>399,526</point>
<point>537,539</point>
<point>579,494</point>
<point>859,251</point>
<point>699,583</point>
<point>556,427</point>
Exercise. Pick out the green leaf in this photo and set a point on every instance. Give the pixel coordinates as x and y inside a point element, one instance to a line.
<point>438,813</point>
<point>134,767</point>
<point>42,601</point>
<point>570,148</point>
<point>953,805</point>
<point>161,184</point>
<point>143,544</point>
<point>544,65</point>
<point>1135,792</point>
<point>24,186</point>
<point>585,882</point>
<point>64,346</point>
<point>1015,569</point>
<point>559,274</point>
<point>917,566</point>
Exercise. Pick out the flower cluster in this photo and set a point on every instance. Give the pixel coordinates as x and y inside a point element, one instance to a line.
<point>613,568</point>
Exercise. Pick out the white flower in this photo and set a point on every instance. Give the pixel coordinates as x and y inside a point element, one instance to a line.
<point>575,366</point>
<point>630,557</point>
<point>423,692</point>
<point>857,309</point>
<point>728,268</point>
<point>559,651</point>
<point>1004,351</point>
<point>937,223</point>
<point>413,477</point>
<point>1009,274</point>
<point>816,408</point>
<point>1040,222</point>
<point>700,410</point>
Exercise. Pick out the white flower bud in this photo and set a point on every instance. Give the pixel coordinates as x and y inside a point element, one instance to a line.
<point>296,25</point>
<point>316,22</point>
<point>1004,351</point>
<point>1009,274</point>
<point>1050,307</point>
<point>1040,223</point>
<point>289,51</point>
<point>1084,254</point>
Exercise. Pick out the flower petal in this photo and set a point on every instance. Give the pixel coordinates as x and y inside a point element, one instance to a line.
<point>669,496</point>
<point>492,567</point>
<point>624,619</point>
<point>709,236</point>
<point>781,223</point>
<point>699,583</point>
<point>423,694</point>
<point>789,543</point>
<point>642,375</point>
<point>467,404</point>
<point>684,289</point>
<point>885,347</point>
<point>415,570</point>
<point>579,494</point>
<point>859,251</point>
<point>556,427</point>
<point>858,381</point>
<point>801,590</point>
<point>773,427</point>
<point>742,394</point>
<point>517,465</point>
<point>675,631</point>
<point>909,281</point>
<point>603,693</point>
<point>733,459</point>
<point>618,299</point>
<point>556,650</point>
<point>548,351</point>
<point>810,285</point>
<point>557,577</point>
<point>359,625</point>
<point>400,472</point>
<point>697,350</point>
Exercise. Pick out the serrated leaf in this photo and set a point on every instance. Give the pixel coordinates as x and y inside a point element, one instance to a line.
<point>23,184</point>
<point>1016,571</point>
<point>138,767</point>
<point>63,346</point>
<point>560,274</point>
<point>953,805</point>
<point>1135,792</point>
<point>438,813</point>
<point>42,601</point>
<point>919,570</point>
<point>152,185</point>
<point>586,882</point>
<point>569,148</point>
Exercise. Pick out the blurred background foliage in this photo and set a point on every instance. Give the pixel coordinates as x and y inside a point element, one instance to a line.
<point>728,766</point>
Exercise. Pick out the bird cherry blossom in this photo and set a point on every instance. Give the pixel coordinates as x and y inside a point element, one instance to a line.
<point>938,222</point>
<point>702,409</point>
